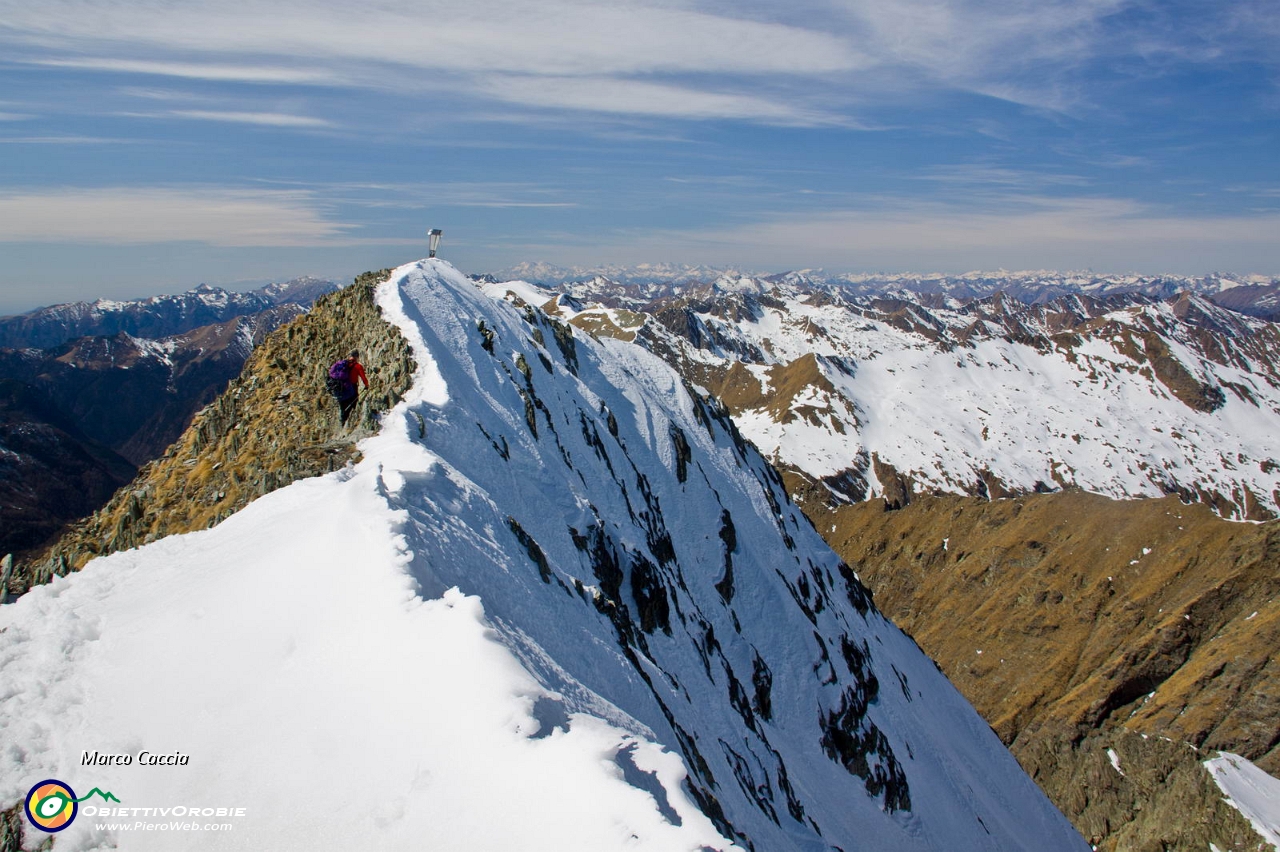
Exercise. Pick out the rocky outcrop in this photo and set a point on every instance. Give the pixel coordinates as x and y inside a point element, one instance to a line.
<point>1077,624</point>
<point>273,425</point>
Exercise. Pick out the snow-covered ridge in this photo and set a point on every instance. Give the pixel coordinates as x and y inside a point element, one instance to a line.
<point>559,604</point>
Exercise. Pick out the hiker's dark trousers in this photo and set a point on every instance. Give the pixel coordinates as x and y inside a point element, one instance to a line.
<point>347,406</point>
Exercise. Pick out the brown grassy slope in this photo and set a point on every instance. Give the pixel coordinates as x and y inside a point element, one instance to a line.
<point>1068,619</point>
<point>273,425</point>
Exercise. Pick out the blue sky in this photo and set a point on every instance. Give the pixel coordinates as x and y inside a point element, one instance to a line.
<point>149,146</point>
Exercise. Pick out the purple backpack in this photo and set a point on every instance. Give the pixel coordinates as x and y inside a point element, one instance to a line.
<point>339,381</point>
<point>341,370</point>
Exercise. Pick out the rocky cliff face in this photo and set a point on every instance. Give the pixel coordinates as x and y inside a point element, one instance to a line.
<point>273,425</point>
<point>1078,625</point>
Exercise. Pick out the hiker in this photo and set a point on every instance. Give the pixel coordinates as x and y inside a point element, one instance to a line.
<point>343,383</point>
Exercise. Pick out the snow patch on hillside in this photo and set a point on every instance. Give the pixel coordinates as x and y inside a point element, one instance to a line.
<point>1249,790</point>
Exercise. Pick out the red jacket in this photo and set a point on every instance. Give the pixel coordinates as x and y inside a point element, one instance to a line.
<point>357,374</point>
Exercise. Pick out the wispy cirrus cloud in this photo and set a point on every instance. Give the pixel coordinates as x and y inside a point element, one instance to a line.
<point>988,178</point>
<point>413,195</point>
<point>138,215</point>
<point>221,72</point>
<point>66,140</point>
<point>637,97</point>
<point>671,59</point>
<point>748,61</point>
<point>675,58</point>
<point>556,37</point>
<point>268,119</point>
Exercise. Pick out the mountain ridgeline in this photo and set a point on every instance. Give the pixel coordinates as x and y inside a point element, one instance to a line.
<point>642,561</point>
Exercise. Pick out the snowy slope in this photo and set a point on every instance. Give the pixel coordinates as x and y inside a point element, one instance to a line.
<point>1128,397</point>
<point>559,605</point>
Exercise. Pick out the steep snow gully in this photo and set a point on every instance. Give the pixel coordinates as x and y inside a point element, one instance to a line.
<point>559,605</point>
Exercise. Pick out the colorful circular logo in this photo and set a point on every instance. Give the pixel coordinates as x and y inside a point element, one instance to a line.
<point>51,805</point>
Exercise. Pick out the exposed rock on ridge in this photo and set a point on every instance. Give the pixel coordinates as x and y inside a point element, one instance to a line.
<point>273,425</point>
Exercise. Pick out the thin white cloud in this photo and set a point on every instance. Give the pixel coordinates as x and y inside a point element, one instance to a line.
<point>1017,50</point>
<point>127,215</point>
<point>270,119</point>
<point>199,71</point>
<point>634,97</point>
<point>674,58</point>
<point>65,140</point>
<point>420,195</point>
<point>982,177</point>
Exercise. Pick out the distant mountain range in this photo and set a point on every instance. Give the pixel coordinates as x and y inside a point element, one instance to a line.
<point>154,317</point>
<point>1255,295</point>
